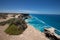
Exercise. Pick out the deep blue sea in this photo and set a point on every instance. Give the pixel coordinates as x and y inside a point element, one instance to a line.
<point>41,21</point>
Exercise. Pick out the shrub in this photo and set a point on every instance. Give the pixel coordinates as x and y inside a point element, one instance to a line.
<point>13,30</point>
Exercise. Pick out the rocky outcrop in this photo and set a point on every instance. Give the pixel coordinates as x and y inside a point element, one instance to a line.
<point>26,16</point>
<point>51,34</point>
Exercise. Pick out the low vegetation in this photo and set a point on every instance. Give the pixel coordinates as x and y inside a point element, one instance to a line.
<point>3,16</point>
<point>14,30</point>
<point>16,25</point>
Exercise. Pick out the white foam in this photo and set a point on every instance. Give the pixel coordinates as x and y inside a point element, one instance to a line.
<point>39,20</point>
<point>42,22</point>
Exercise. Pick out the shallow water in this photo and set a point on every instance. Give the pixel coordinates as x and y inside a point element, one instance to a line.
<point>40,22</point>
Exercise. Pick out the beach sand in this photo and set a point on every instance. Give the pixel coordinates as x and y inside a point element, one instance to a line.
<point>29,34</point>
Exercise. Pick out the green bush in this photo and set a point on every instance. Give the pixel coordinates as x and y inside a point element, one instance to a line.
<point>13,30</point>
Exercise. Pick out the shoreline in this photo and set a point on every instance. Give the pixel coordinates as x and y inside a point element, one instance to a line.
<point>29,34</point>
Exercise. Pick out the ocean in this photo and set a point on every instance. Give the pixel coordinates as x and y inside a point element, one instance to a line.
<point>41,21</point>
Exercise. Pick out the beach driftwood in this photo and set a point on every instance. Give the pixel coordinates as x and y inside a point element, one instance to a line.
<point>51,34</point>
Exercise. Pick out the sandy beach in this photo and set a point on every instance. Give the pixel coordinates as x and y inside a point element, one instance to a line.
<point>29,34</point>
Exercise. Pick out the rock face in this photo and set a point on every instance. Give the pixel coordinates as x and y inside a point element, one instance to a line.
<point>51,34</point>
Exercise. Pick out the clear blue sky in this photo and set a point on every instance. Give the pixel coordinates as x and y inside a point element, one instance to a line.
<point>31,6</point>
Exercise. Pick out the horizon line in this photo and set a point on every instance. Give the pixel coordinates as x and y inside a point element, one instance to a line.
<point>26,13</point>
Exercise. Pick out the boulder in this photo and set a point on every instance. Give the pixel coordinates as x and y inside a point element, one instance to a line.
<point>50,33</point>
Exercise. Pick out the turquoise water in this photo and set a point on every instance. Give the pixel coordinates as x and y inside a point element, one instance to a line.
<point>40,22</point>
